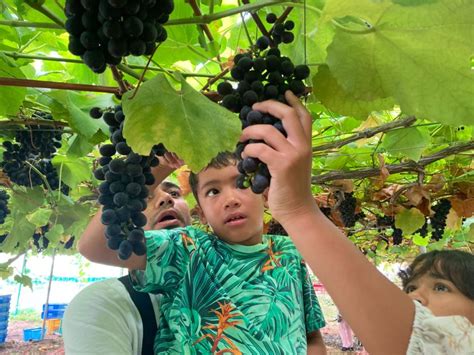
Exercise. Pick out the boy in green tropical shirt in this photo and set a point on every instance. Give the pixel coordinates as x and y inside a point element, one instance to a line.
<point>234,291</point>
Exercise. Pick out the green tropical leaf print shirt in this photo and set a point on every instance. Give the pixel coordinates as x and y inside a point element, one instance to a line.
<point>223,298</point>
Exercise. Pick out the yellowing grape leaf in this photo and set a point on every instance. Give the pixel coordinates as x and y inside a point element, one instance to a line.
<point>420,55</point>
<point>409,220</point>
<point>185,121</point>
<point>453,221</point>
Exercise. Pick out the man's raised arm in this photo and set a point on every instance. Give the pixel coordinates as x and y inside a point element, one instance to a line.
<point>93,243</point>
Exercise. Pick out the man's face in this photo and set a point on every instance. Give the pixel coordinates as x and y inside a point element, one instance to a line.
<point>235,215</point>
<point>166,208</point>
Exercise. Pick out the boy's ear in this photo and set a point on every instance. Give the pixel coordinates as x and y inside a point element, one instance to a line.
<point>265,198</point>
<point>202,218</point>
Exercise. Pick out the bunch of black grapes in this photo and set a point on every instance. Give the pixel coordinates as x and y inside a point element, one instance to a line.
<point>347,207</point>
<point>35,145</point>
<point>123,192</point>
<point>389,222</point>
<point>4,210</point>
<point>103,31</point>
<point>438,221</point>
<point>262,74</point>
<point>39,238</point>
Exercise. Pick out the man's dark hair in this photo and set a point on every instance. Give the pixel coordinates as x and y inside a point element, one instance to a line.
<point>453,265</point>
<point>220,161</point>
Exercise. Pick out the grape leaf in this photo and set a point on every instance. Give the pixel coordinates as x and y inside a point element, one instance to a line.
<point>25,280</point>
<point>333,96</point>
<point>70,107</point>
<point>400,56</point>
<point>409,220</point>
<point>55,233</point>
<point>72,170</point>
<point>40,216</point>
<point>408,142</point>
<point>421,241</point>
<point>10,97</point>
<point>185,121</point>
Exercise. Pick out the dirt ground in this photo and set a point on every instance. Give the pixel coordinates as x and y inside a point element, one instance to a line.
<point>53,344</point>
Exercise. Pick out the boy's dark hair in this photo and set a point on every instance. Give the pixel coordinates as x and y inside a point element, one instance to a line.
<point>221,160</point>
<point>453,265</point>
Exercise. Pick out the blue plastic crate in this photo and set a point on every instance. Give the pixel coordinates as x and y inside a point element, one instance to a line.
<point>4,324</point>
<point>4,307</point>
<point>4,315</point>
<point>5,299</point>
<point>32,334</point>
<point>53,314</point>
<point>3,337</point>
<point>56,306</point>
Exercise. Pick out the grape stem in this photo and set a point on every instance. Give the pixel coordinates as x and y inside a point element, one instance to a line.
<point>118,77</point>
<point>45,11</point>
<point>41,175</point>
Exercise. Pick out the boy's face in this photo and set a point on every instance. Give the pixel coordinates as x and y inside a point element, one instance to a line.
<point>440,296</point>
<point>166,208</point>
<point>235,215</point>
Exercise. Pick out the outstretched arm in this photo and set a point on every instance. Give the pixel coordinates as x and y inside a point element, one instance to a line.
<point>371,304</point>
<point>93,243</point>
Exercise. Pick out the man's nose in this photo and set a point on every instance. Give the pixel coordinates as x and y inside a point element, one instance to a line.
<point>165,201</point>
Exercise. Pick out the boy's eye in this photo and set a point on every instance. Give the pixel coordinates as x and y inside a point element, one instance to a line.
<point>212,192</point>
<point>441,288</point>
<point>410,288</point>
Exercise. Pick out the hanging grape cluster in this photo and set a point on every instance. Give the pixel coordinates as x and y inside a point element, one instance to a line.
<point>262,74</point>
<point>123,192</point>
<point>4,210</point>
<point>389,222</point>
<point>438,220</point>
<point>39,238</point>
<point>101,32</point>
<point>347,207</point>
<point>35,145</point>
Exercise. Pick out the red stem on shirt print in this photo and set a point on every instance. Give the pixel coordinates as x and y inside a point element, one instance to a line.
<point>224,317</point>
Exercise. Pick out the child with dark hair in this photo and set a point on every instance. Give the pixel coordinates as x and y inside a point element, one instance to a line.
<point>443,282</point>
<point>234,290</point>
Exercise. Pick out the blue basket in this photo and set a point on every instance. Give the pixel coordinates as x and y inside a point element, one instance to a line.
<point>56,306</point>
<point>53,314</point>
<point>32,334</point>
<point>4,307</point>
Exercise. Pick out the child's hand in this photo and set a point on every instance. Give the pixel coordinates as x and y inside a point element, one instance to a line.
<point>288,159</point>
<point>171,160</point>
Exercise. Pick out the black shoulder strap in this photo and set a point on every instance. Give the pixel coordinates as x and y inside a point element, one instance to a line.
<point>143,303</point>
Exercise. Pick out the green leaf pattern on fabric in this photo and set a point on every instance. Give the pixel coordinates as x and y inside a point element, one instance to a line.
<point>220,297</point>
